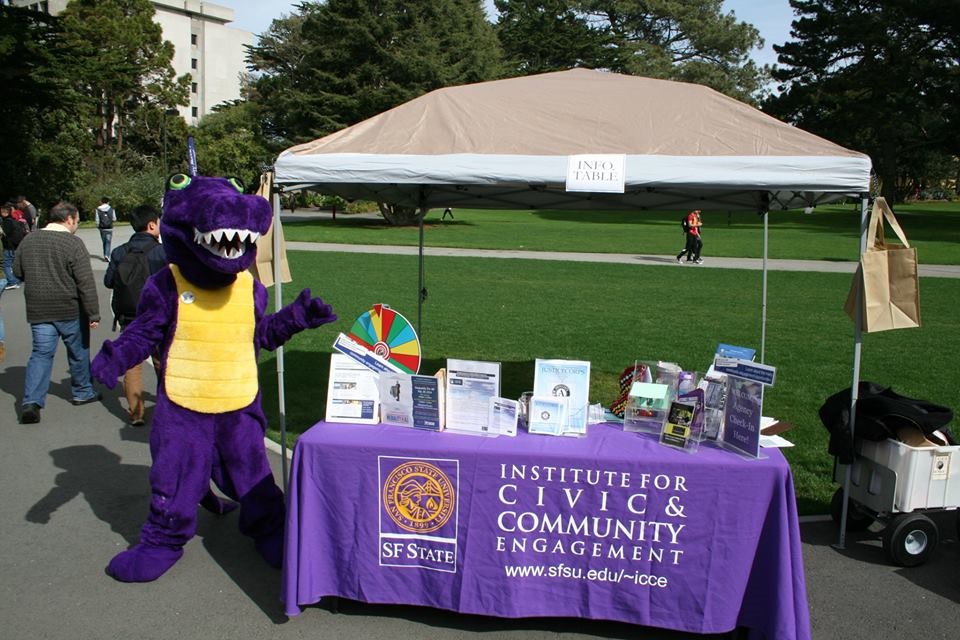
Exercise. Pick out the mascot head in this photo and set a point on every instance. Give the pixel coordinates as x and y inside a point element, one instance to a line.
<point>210,227</point>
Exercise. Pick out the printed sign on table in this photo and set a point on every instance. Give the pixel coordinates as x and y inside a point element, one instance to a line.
<point>418,512</point>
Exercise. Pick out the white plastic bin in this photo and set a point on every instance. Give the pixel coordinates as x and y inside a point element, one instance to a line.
<point>927,477</point>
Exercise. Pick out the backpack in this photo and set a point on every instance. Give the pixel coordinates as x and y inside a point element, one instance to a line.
<point>18,231</point>
<point>105,218</point>
<point>881,412</point>
<point>128,280</point>
<point>685,224</point>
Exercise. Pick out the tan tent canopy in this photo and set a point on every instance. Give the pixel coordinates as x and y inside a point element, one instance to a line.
<point>505,144</point>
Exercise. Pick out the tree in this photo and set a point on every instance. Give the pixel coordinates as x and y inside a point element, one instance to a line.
<point>230,143</point>
<point>336,63</point>
<point>550,35</point>
<point>879,76</point>
<point>43,140</point>
<point>340,62</point>
<point>121,63</point>
<point>686,40</point>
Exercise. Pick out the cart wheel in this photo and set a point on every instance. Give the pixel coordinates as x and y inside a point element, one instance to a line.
<point>910,539</point>
<point>857,520</point>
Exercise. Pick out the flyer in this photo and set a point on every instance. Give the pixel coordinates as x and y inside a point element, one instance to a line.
<point>503,417</point>
<point>352,394</point>
<point>568,379</point>
<point>412,401</point>
<point>548,415</point>
<point>470,385</point>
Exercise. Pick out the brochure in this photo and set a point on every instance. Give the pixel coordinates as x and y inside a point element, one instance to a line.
<point>352,394</point>
<point>503,416</point>
<point>470,385</point>
<point>565,379</point>
<point>733,351</point>
<point>714,393</point>
<point>350,347</point>
<point>548,415</point>
<point>678,429</point>
<point>412,400</point>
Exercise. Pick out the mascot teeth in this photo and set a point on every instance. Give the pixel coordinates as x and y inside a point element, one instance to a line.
<point>226,243</point>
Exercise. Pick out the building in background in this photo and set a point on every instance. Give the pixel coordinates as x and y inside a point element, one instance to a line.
<point>204,46</point>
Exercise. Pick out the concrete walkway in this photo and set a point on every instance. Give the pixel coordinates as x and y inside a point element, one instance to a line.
<point>74,492</point>
<point>120,235</point>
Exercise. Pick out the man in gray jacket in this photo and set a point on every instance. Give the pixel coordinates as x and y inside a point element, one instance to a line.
<point>61,299</point>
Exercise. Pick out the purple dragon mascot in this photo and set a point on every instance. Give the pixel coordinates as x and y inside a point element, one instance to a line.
<point>207,316</point>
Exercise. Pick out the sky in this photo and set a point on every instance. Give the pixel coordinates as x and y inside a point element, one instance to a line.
<point>771,17</point>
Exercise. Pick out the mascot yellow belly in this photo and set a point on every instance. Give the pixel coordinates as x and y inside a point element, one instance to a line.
<point>211,366</point>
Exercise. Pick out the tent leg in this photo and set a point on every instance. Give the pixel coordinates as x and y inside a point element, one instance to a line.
<point>421,289</point>
<point>763,301</point>
<point>278,303</point>
<point>855,384</point>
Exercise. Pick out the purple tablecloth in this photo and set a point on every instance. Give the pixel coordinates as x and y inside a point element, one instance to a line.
<point>612,526</point>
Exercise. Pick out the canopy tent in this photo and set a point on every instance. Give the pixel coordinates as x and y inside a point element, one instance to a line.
<point>506,143</point>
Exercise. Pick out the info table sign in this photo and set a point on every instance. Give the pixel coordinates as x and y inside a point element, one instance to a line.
<point>744,403</point>
<point>596,173</point>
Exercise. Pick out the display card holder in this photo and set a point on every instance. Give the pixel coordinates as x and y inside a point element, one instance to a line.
<point>503,416</point>
<point>547,415</point>
<point>647,408</point>
<point>743,404</point>
<point>681,429</point>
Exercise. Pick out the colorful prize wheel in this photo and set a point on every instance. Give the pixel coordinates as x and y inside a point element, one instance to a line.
<point>389,335</point>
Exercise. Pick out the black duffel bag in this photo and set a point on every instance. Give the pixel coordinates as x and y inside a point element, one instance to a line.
<point>881,413</point>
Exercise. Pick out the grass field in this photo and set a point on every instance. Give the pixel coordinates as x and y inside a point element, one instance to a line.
<point>829,233</point>
<point>514,311</point>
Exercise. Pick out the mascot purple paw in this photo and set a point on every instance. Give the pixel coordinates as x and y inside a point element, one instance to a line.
<point>315,311</point>
<point>104,367</point>
<point>207,316</point>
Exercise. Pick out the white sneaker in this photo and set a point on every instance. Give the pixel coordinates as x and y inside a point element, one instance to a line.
<point>698,261</point>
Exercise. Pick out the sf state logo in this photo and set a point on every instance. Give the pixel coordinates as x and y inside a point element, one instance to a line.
<point>419,497</point>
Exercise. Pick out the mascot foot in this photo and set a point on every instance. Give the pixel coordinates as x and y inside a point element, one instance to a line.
<point>271,548</point>
<point>215,504</point>
<point>143,563</point>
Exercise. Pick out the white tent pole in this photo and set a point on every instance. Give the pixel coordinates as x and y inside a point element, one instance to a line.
<point>855,384</point>
<point>277,305</point>
<point>763,302</point>
<point>421,288</point>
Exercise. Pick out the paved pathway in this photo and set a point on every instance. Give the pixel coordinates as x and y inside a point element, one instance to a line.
<point>121,233</point>
<point>74,492</point>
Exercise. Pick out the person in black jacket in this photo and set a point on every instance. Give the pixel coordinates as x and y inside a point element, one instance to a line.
<point>145,221</point>
<point>13,233</point>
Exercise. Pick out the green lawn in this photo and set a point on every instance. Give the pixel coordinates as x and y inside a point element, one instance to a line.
<point>514,311</point>
<point>829,233</point>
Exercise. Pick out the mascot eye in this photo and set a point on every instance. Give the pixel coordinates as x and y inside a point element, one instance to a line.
<point>237,184</point>
<point>178,182</point>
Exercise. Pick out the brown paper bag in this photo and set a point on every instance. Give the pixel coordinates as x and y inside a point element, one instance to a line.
<point>887,278</point>
<point>262,269</point>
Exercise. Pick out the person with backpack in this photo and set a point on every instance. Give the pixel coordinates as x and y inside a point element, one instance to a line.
<point>106,216</point>
<point>29,212</point>
<point>691,224</point>
<point>14,231</point>
<point>130,265</point>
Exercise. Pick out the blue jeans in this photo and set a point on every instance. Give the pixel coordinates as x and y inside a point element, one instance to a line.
<point>3,335</point>
<point>76,337</point>
<point>8,255</point>
<point>106,235</point>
